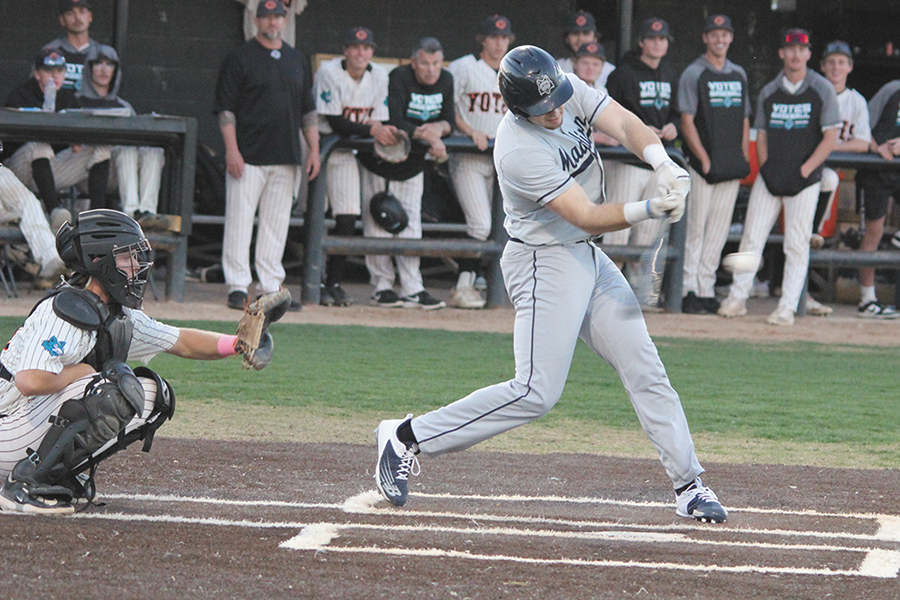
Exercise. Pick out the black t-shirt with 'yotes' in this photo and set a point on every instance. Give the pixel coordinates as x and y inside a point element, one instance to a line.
<point>269,92</point>
<point>651,94</point>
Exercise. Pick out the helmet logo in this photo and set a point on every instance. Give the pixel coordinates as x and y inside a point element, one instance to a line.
<point>544,85</point>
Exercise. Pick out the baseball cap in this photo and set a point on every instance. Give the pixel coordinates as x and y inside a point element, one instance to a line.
<point>718,22</point>
<point>67,5</point>
<point>359,35</point>
<point>270,7</point>
<point>496,25</point>
<point>837,47</point>
<point>50,58</point>
<point>592,49</point>
<point>795,37</point>
<point>581,21</point>
<point>653,27</point>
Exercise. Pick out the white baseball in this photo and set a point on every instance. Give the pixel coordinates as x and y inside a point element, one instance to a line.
<point>741,262</point>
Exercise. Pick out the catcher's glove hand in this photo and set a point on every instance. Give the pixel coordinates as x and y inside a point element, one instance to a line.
<point>254,340</point>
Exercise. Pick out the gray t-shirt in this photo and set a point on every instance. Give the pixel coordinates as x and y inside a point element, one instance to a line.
<point>536,165</point>
<point>688,97</point>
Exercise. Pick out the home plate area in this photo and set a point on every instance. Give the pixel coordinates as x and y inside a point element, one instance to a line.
<point>305,520</point>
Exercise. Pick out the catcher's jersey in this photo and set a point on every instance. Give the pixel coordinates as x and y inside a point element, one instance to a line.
<point>338,94</point>
<point>477,96</point>
<point>48,343</point>
<point>536,165</point>
<point>855,112</point>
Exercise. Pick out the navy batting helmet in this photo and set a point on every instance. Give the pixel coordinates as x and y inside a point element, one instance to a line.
<point>110,246</point>
<point>388,212</point>
<point>531,82</point>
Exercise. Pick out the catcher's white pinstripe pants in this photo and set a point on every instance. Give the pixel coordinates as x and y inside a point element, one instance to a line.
<point>762,211</point>
<point>381,270</point>
<point>18,203</point>
<point>269,188</point>
<point>709,211</point>
<point>473,180</point>
<point>26,424</point>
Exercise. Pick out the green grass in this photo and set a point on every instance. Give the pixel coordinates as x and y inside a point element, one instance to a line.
<point>773,393</point>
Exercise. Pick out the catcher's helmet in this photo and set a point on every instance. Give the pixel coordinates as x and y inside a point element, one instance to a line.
<point>531,82</point>
<point>388,212</point>
<point>109,246</point>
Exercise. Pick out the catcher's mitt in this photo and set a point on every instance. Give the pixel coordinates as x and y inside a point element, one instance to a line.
<point>395,153</point>
<point>254,341</point>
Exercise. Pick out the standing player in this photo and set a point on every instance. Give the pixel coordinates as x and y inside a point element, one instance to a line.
<point>562,285</point>
<point>877,187</point>
<point>797,123</point>
<point>351,100</point>
<point>715,121</point>
<point>479,109</point>
<point>581,30</point>
<point>263,98</point>
<point>647,86</point>
<point>67,397</point>
<point>76,17</point>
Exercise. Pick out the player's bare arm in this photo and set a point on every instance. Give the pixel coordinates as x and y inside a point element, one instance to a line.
<point>431,133</point>
<point>480,138</point>
<point>574,206</point>
<point>234,162</point>
<point>854,145</point>
<point>762,147</point>
<point>311,134</point>
<point>745,140</point>
<point>383,134</point>
<point>821,152</point>
<point>692,138</point>
<point>36,382</point>
<point>198,344</point>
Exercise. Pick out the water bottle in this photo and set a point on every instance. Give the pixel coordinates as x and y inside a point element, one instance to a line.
<point>50,96</point>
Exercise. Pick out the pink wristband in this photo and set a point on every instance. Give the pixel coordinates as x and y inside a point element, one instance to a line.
<point>226,345</point>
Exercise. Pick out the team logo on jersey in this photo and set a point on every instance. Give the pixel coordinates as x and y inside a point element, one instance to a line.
<point>53,346</point>
<point>325,96</point>
<point>544,85</point>
<point>424,107</point>
<point>656,93</point>
<point>790,116</point>
<point>725,94</point>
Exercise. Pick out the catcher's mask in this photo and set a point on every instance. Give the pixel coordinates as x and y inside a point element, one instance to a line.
<point>388,213</point>
<point>109,246</point>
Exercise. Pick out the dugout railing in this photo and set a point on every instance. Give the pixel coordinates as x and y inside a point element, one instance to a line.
<point>318,243</point>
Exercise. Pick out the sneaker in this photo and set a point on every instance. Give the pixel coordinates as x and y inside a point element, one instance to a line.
<point>760,289</point>
<point>701,503</point>
<point>464,294</point>
<point>423,300</point>
<point>782,316</point>
<point>341,298</point>
<point>387,299</point>
<point>481,283</point>
<point>16,497</point>
<point>58,216</point>
<point>817,309</point>
<point>395,462</point>
<point>895,239</point>
<point>711,304</point>
<point>732,307</point>
<point>692,305</point>
<point>877,310</point>
<point>325,297</point>
<point>237,300</point>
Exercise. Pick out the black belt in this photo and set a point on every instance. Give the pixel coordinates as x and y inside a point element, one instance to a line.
<point>4,373</point>
<point>518,241</point>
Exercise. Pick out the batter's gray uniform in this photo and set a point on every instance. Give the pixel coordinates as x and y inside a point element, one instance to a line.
<point>563,287</point>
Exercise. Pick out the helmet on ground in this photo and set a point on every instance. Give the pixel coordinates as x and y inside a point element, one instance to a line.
<point>109,246</point>
<point>531,82</point>
<point>388,212</point>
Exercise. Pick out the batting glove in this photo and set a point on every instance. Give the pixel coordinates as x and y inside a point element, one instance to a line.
<point>670,205</point>
<point>672,179</point>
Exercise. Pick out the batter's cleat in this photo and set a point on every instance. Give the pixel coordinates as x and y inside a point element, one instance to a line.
<point>877,310</point>
<point>732,307</point>
<point>816,308</point>
<point>701,503</point>
<point>386,299</point>
<point>781,316</point>
<point>395,462</point>
<point>237,300</point>
<point>16,497</point>
<point>423,300</point>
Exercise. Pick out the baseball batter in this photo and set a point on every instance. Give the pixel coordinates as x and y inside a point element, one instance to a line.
<point>715,120</point>
<point>562,284</point>
<point>479,109</point>
<point>797,123</point>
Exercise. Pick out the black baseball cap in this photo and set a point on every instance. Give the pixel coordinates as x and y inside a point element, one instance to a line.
<point>594,49</point>
<point>270,7</point>
<point>359,35</point>
<point>581,21</point>
<point>496,25</point>
<point>837,47</point>
<point>654,27</point>
<point>795,37</point>
<point>718,22</point>
<point>50,58</point>
<point>67,5</point>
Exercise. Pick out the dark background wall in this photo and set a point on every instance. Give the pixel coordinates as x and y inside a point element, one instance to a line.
<point>173,48</point>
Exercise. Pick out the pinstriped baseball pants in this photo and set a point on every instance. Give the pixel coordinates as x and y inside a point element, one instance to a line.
<point>473,180</point>
<point>18,203</point>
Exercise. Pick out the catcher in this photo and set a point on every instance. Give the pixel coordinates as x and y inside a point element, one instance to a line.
<point>68,400</point>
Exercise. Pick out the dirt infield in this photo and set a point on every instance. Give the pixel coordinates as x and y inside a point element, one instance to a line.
<point>215,519</point>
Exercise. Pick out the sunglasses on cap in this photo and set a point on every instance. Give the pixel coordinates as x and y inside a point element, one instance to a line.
<point>796,37</point>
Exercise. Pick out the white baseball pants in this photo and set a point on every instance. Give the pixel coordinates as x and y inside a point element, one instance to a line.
<point>17,203</point>
<point>69,168</point>
<point>137,173</point>
<point>628,183</point>
<point>473,180</point>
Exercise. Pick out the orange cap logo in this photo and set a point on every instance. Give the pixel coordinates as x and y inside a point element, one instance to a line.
<point>270,4</point>
<point>580,20</point>
<point>656,26</point>
<point>719,20</point>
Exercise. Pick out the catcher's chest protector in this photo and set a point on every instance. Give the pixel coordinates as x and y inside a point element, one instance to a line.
<point>85,310</point>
